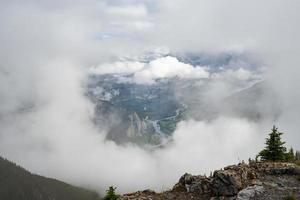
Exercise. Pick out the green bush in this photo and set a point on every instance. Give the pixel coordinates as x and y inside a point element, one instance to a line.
<point>111,194</point>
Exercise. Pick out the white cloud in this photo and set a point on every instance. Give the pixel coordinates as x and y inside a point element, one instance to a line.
<point>147,73</point>
<point>238,75</point>
<point>120,67</point>
<point>134,11</point>
<point>167,67</point>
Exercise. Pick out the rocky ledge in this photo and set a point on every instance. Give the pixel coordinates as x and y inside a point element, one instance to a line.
<point>256,180</point>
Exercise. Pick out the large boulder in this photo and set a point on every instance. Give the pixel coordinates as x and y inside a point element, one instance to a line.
<point>226,183</point>
<point>196,184</point>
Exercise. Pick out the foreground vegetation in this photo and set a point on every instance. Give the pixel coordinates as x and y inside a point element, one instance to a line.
<point>111,194</point>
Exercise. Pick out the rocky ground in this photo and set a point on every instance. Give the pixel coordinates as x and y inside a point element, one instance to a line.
<point>256,180</point>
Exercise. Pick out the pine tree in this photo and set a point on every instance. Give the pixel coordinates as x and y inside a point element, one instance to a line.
<point>290,156</point>
<point>111,194</point>
<point>274,150</point>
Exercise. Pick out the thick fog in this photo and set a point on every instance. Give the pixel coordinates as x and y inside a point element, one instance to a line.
<point>48,49</point>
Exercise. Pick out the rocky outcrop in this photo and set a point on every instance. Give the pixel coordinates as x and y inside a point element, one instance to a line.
<point>232,179</point>
<point>226,183</point>
<point>200,184</point>
<point>256,180</point>
<point>250,192</point>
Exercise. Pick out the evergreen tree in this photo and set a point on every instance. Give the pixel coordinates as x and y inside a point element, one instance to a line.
<point>274,150</point>
<point>290,156</point>
<point>111,194</point>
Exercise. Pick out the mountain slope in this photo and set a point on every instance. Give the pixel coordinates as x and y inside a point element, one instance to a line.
<point>18,184</point>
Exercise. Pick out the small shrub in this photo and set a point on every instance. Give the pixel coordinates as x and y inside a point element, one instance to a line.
<point>111,194</point>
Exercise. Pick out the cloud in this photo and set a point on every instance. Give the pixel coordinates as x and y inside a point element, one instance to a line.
<point>147,73</point>
<point>135,11</point>
<point>125,67</point>
<point>239,74</point>
<point>87,160</point>
<point>169,67</point>
<point>47,48</point>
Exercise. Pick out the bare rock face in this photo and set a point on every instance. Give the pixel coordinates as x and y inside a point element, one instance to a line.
<point>256,180</point>
<point>226,183</point>
<point>199,184</point>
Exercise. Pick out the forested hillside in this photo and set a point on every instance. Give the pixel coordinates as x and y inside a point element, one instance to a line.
<point>18,184</point>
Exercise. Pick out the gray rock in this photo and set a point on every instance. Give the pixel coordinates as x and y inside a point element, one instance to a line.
<point>250,192</point>
<point>226,183</point>
<point>186,179</point>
